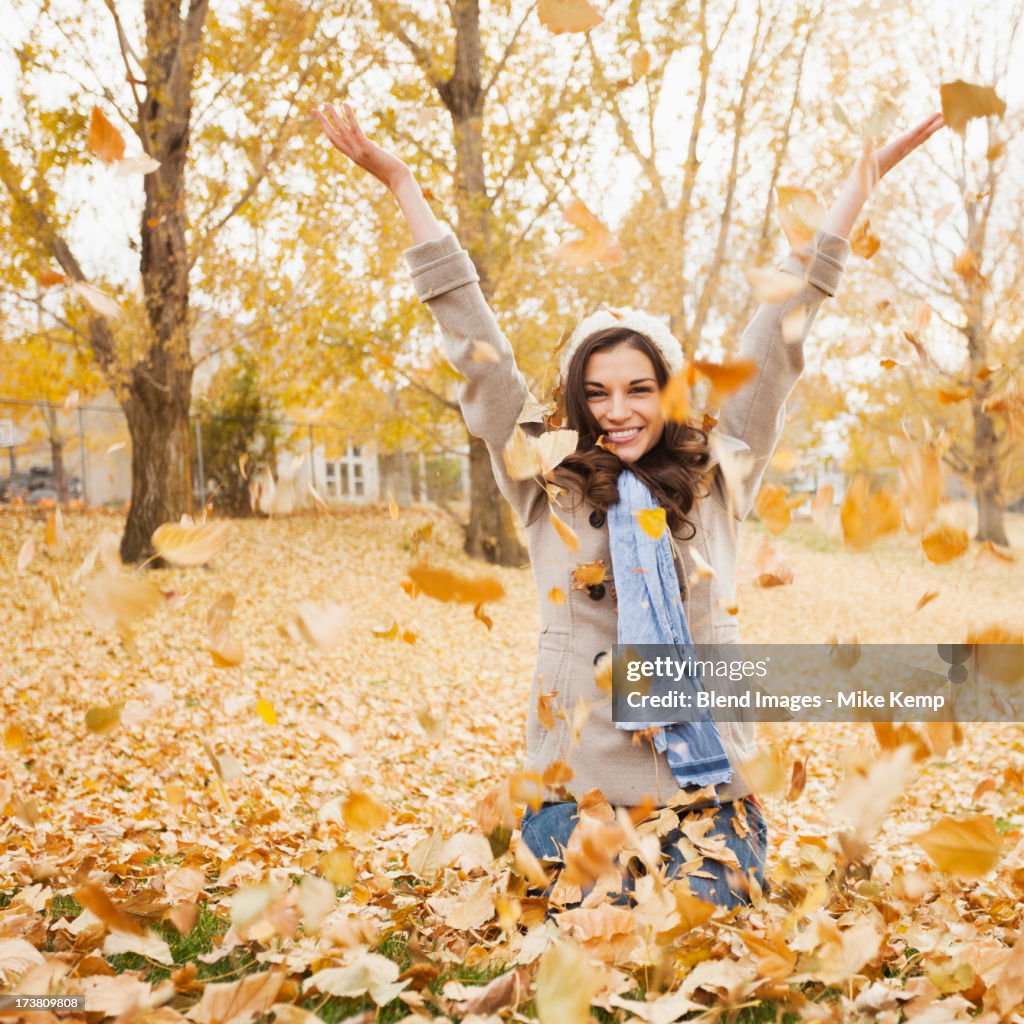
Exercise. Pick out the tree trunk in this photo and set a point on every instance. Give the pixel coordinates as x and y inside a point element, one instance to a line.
<point>60,476</point>
<point>161,462</point>
<point>492,530</point>
<point>986,479</point>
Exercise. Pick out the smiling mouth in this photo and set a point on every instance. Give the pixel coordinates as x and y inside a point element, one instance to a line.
<point>622,436</point>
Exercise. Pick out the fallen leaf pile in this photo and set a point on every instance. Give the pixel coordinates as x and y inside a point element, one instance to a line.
<point>257,803</point>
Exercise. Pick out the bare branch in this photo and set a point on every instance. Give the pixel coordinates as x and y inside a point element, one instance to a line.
<point>500,66</point>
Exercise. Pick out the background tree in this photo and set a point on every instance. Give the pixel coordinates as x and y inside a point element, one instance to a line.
<point>212,161</point>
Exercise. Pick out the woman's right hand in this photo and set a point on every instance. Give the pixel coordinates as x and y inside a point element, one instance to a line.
<point>345,134</point>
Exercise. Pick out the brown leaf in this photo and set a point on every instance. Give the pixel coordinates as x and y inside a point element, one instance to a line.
<point>95,898</point>
<point>961,102</point>
<point>968,848</point>
<point>104,141</point>
<point>48,278</point>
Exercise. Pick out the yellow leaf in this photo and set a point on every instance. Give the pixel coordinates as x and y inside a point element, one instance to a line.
<point>338,867</point>
<point>764,773</point>
<point>103,719</point>
<point>363,813</point>
<point>545,712</point>
<point>944,543</point>
<point>598,244</point>
<point>56,536</point>
<point>392,507</point>
<point>675,397</point>
<point>800,214</point>
<point>448,585</point>
<point>774,506</point>
<point>961,102</point>
<point>105,141</point>
<point>566,984</point>
<point>640,63</point>
<point>117,601</point>
<point>189,545</point>
<point>26,553</point>
<point>266,711</point>
<point>865,518</point>
<point>556,595</point>
<point>968,848</point>
<point>588,574</point>
<point>772,286</point>
<point>522,455</point>
<point>387,634</point>
<point>652,521</point>
<point>863,242</point>
<point>569,538</point>
<point>556,773</point>
<point>559,16</point>
<point>14,737</point>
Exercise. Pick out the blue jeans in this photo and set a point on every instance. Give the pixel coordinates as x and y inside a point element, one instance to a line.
<point>548,829</point>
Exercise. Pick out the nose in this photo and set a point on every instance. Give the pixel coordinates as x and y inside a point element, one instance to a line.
<point>618,411</point>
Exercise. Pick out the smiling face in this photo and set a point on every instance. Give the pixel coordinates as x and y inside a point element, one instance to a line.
<point>621,392</point>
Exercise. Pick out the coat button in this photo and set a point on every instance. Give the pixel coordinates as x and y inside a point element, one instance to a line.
<point>596,591</point>
<point>597,519</point>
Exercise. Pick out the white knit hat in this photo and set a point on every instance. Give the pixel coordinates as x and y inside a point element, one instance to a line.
<point>633,319</point>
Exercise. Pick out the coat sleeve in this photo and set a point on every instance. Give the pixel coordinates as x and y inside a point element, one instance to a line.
<point>494,392</point>
<point>756,414</point>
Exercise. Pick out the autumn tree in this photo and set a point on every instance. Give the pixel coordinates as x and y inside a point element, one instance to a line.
<point>211,114</point>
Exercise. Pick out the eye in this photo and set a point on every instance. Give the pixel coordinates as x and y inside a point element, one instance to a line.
<point>643,389</point>
<point>591,395</point>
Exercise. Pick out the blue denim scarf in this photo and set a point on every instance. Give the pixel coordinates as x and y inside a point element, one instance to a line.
<point>650,612</point>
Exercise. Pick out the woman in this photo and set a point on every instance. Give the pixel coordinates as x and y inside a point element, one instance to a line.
<point>629,458</point>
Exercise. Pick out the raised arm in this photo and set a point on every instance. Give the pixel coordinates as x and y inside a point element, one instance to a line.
<point>494,392</point>
<point>756,413</point>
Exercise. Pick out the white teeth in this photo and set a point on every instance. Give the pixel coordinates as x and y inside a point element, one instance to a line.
<point>617,435</point>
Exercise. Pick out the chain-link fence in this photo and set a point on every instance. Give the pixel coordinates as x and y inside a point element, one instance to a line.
<point>81,454</point>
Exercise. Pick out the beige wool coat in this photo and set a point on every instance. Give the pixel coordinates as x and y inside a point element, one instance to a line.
<point>573,634</point>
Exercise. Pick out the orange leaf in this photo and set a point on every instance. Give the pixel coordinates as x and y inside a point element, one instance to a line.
<point>559,16</point>
<point>569,538</point>
<point>729,376</point>
<point>557,595</point>
<point>448,585</point>
<point>968,848</point>
<point>587,574</point>
<point>104,139</point>
<point>800,214</point>
<point>925,599</point>
<point>949,397</point>
<point>363,813</point>
<point>675,398</point>
<point>944,543</point>
<point>598,244</point>
<point>962,101</point>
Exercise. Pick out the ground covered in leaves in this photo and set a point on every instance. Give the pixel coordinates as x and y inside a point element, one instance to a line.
<point>301,805</point>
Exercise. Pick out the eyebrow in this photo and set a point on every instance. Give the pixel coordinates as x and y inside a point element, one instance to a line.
<point>639,380</point>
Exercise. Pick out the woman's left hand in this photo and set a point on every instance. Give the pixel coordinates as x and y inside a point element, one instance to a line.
<point>886,157</point>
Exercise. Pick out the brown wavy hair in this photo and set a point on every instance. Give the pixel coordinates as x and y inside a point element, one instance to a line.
<point>674,469</point>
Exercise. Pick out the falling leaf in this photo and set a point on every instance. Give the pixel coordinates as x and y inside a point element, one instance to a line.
<point>798,780</point>
<point>800,214</point>
<point>482,616</point>
<point>926,598</point>
<point>675,397</point>
<point>865,518</point>
<point>640,63</point>
<point>142,164</point>
<point>794,325</point>
<point>727,377</point>
<point>27,552</point>
<point>556,595</point>
<point>338,866</point>
<point>545,709</point>
<point>94,897</point>
<point>920,482</point>
<point>559,16</point>
<point>566,533</point>
<point>392,507</point>
<point>865,799</point>
<point>237,1002</point>
<point>321,625</point>
<point>772,286</point>
<point>863,242</point>
<point>189,545</point>
<point>363,813</point>
<point>243,462</point>
<point>484,352</point>
<point>225,648</point>
<point>115,601</point>
<point>98,301</point>
<point>966,266</point>
<point>775,507</point>
<point>56,535</point>
<point>48,278</point>
<point>944,543</point>
<point>598,244</point>
<point>951,397</point>
<point>968,848</point>
<point>588,574</point>
<point>652,521</point>
<point>887,364</point>
<point>449,585</point>
<point>566,984</point>
<point>961,102</point>
<point>116,447</point>
<point>70,401</point>
<point>104,141</point>
<point>764,773</point>
<point>778,577</point>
